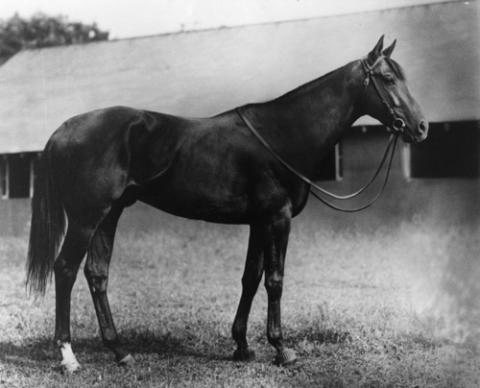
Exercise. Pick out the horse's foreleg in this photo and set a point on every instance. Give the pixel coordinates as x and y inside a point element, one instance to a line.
<point>250,281</point>
<point>276,246</point>
<point>96,273</point>
<point>66,269</point>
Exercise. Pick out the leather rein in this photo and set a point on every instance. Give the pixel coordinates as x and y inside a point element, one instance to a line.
<point>397,127</point>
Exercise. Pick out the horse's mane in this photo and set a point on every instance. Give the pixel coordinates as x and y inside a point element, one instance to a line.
<point>306,86</point>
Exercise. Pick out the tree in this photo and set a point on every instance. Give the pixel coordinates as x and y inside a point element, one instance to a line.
<point>42,30</point>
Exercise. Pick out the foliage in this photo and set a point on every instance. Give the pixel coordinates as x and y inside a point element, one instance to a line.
<point>17,33</point>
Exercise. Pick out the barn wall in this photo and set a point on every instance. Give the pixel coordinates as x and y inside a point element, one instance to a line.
<point>205,72</point>
<point>447,201</point>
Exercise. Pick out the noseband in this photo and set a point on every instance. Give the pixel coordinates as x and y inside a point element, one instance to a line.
<point>398,124</point>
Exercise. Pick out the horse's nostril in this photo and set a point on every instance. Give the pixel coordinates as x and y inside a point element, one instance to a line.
<point>423,126</point>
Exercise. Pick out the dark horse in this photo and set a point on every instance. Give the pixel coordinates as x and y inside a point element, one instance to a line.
<point>213,169</point>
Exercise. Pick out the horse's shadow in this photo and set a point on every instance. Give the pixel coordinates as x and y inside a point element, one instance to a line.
<point>43,350</point>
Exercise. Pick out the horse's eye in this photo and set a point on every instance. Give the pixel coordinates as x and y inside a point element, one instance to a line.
<point>389,78</point>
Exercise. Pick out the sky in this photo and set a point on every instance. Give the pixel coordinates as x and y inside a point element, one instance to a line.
<point>129,18</point>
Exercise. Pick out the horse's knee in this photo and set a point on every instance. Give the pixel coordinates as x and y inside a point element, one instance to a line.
<point>274,286</point>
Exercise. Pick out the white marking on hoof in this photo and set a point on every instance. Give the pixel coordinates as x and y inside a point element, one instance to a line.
<point>69,361</point>
<point>127,360</point>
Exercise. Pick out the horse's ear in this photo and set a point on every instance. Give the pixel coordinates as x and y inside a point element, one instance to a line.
<point>388,51</point>
<point>377,50</point>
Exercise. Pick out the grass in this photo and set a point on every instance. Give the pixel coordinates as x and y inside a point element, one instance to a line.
<point>393,306</point>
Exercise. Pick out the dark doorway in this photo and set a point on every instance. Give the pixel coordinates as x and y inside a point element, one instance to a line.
<point>451,151</point>
<point>19,175</point>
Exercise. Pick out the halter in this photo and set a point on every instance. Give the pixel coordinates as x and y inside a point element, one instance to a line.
<point>398,125</point>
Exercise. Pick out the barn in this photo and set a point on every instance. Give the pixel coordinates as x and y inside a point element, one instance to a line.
<point>201,73</point>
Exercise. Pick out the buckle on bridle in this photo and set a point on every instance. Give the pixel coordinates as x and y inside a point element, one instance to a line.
<point>398,124</point>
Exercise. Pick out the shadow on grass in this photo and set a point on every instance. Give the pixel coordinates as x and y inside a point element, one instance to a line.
<point>185,344</point>
<point>43,350</point>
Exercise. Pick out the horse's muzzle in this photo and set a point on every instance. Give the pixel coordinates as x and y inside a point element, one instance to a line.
<point>421,132</point>
<point>409,134</point>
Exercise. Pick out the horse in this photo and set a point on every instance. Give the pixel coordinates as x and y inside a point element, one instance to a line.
<point>98,163</point>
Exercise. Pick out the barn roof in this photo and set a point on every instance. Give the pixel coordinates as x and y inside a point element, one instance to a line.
<point>204,72</point>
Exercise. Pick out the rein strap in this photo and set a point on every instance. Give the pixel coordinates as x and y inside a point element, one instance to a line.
<point>393,140</point>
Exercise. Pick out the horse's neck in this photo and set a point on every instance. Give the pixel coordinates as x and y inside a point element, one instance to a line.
<point>305,123</point>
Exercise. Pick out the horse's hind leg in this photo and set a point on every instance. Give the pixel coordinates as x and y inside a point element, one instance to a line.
<point>250,281</point>
<point>66,268</point>
<point>96,272</point>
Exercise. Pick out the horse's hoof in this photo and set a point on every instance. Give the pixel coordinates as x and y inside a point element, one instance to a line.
<point>244,355</point>
<point>69,362</point>
<point>70,366</point>
<point>285,357</point>
<point>127,360</point>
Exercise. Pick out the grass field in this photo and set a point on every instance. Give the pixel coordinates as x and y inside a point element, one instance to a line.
<point>394,306</point>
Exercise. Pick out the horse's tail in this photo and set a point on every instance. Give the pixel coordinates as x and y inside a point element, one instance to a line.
<point>47,226</point>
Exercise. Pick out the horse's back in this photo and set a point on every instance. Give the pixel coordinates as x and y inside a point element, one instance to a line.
<point>197,168</point>
<point>100,153</point>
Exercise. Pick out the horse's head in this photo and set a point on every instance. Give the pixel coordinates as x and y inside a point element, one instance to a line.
<point>386,96</point>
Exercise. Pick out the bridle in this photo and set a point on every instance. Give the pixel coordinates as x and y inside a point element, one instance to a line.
<point>398,126</point>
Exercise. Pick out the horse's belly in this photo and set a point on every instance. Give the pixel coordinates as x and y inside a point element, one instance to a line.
<point>197,204</point>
